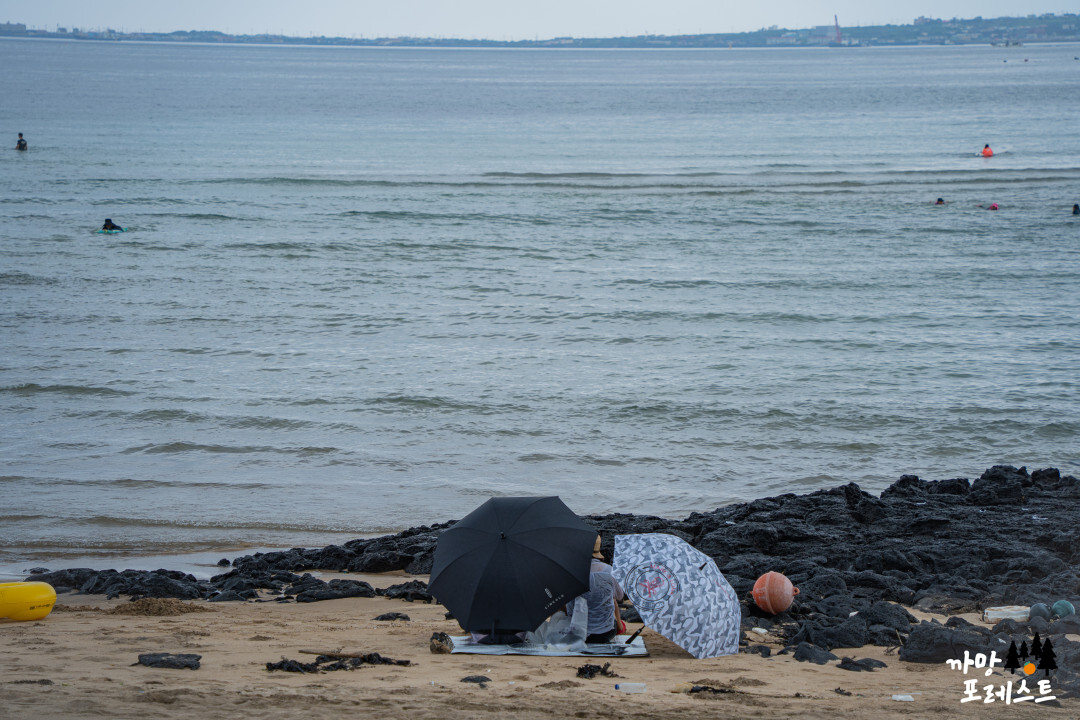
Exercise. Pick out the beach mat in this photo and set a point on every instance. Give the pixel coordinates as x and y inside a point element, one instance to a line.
<point>616,648</point>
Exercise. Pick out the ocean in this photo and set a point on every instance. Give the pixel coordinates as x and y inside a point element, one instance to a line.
<point>364,289</point>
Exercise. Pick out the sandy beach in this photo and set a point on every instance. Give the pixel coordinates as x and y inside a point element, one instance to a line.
<point>81,661</point>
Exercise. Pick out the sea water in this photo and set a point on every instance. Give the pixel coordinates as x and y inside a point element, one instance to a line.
<point>365,289</point>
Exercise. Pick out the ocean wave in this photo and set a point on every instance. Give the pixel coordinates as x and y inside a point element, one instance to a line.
<point>452,218</point>
<point>191,447</point>
<point>21,278</point>
<point>297,180</point>
<point>291,246</point>
<point>201,216</point>
<point>167,416</point>
<point>392,403</point>
<point>30,389</point>
<point>129,521</point>
<point>595,175</point>
<point>158,484</point>
<point>147,201</point>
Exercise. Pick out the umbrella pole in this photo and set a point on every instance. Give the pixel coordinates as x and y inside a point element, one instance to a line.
<point>634,636</point>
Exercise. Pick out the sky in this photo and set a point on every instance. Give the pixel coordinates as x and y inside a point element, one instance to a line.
<point>496,19</point>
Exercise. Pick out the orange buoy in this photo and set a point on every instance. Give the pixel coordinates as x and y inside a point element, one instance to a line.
<point>773,592</point>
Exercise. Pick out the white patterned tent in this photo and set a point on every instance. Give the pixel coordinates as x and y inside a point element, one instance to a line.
<point>679,592</point>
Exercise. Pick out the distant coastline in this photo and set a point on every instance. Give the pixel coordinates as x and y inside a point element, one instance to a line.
<point>1003,31</point>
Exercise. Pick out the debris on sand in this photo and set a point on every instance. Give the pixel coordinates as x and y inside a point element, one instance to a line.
<point>590,671</point>
<point>481,680</point>
<point>329,663</point>
<point>179,661</point>
<point>441,643</point>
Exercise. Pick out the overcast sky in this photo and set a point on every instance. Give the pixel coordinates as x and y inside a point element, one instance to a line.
<point>495,19</point>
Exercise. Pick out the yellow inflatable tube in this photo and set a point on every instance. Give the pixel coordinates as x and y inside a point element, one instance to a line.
<point>26,600</point>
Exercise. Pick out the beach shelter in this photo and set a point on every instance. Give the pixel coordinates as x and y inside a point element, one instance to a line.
<point>511,563</point>
<point>679,592</point>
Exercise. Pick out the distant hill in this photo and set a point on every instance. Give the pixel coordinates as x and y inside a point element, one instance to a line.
<point>1004,31</point>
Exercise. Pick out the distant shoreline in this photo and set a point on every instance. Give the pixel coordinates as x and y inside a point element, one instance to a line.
<point>200,43</point>
<point>1004,31</point>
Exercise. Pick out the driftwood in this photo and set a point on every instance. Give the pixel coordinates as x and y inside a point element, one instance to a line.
<point>334,654</point>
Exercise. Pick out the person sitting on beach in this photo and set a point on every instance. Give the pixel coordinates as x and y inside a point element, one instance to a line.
<point>110,225</point>
<point>603,600</point>
<point>1076,209</point>
<point>20,144</point>
<point>986,151</point>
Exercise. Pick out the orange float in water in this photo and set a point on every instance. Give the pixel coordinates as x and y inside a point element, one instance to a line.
<point>773,592</point>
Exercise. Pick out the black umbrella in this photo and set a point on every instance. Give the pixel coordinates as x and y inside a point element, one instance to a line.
<point>511,563</point>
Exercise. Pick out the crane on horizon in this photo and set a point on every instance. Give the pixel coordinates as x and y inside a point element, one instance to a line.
<point>836,22</point>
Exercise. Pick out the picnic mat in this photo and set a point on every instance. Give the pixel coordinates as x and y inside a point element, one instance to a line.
<point>616,648</point>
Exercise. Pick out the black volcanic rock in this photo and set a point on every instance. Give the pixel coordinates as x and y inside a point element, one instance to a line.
<point>335,590</point>
<point>178,661</point>
<point>409,591</point>
<point>930,642</point>
<point>71,579</point>
<point>807,652</point>
<point>864,665</point>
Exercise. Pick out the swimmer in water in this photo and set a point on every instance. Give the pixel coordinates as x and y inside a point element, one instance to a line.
<point>1076,209</point>
<point>986,151</point>
<point>20,144</point>
<point>940,202</point>
<point>993,206</point>
<point>110,225</point>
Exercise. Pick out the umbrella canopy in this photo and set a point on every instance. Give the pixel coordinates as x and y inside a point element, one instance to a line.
<point>512,563</point>
<point>679,592</point>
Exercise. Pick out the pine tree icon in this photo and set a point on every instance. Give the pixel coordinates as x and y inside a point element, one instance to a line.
<point>1046,658</point>
<point>1012,660</point>
<point>1024,650</point>
<point>1036,647</point>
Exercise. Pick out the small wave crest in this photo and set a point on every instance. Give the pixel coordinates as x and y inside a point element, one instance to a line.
<point>393,403</point>
<point>191,447</point>
<point>30,389</point>
<point>21,278</point>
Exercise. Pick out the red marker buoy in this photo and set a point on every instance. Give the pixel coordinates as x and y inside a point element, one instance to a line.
<point>773,592</point>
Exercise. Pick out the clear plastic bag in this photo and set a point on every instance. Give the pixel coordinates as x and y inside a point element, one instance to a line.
<point>564,632</point>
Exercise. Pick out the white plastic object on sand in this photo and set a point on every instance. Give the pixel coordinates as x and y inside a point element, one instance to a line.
<point>1020,613</point>
<point>630,687</point>
<point>903,698</point>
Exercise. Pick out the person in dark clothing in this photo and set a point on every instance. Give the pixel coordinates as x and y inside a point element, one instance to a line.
<point>20,144</point>
<point>110,225</point>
